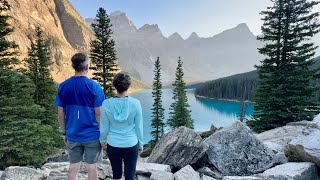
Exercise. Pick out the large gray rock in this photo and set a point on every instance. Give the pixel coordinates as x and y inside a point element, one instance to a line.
<point>205,171</point>
<point>178,148</point>
<point>242,178</point>
<point>147,168</point>
<point>277,139</point>
<point>306,148</point>
<point>187,173</point>
<point>22,173</point>
<point>291,171</point>
<point>1,172</point>
<point>235,151</point>
<point>161,175</point>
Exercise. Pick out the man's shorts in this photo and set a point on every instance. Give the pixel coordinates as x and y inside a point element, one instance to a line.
<point>89,151</point>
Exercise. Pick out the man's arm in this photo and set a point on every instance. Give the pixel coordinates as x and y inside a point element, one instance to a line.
<point>61,118</point>
<point>97,111</point>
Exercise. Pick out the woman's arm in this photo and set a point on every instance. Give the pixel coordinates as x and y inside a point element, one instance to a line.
<point>104,126</point>
<point>138,120</point>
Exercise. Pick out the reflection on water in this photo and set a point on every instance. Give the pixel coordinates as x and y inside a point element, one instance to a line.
<point>204,112</point>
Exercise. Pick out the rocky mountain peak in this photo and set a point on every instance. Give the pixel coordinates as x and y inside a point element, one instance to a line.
<point>121,22</point>
<point>150,29</point>
<point>176,37</point>
<point>193,36</point>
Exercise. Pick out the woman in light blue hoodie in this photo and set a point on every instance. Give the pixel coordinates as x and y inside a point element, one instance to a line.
<point>121,128</point>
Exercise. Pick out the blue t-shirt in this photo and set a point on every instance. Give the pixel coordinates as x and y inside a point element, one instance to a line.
<point>78,96</point>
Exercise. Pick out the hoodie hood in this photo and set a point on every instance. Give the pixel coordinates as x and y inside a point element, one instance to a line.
<point>120,109</point>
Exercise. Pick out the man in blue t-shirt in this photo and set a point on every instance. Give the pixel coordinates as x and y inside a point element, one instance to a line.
<point>79,100</point>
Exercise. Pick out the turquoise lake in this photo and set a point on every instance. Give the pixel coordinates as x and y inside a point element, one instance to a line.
<point>204,112</point>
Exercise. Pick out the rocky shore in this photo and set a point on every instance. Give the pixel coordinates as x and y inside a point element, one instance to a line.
<point>291,152</point>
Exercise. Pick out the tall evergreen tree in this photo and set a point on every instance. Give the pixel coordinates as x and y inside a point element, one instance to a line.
<point>7,48</point>
<point>180,114</point>
<point>103,53</point>
<point>284,93</point>
<point>24,139</point>
<point>157,111</point>
<point>243,105</point>
<point>37,64</point>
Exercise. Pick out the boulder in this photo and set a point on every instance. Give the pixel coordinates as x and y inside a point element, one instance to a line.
<point>1,172</point>
<point>161,175</point>
<point>277,139</point>
<point>187,173</point>
<point>143,177</point>
<point>291,171</point>
<point>178,148</point>
<point>204,177</point>
<point>205,171</point>
<point>306,148</point>
<point>22,173</point>
<point>241,178</point>
<point>235,151</point>
<point>147,168</point>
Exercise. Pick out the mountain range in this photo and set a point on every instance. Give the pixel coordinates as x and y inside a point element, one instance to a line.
<point>229,52</point>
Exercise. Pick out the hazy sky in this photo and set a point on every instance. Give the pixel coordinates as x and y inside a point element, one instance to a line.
<point>205,17</point>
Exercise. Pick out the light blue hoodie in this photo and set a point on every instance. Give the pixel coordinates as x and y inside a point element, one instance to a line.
<point>121,123</point>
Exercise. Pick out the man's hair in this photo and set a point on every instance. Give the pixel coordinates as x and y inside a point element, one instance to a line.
<point>80,62</point>
<point>121,81</point>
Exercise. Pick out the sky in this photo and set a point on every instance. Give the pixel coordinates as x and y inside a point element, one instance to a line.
<point>205,17</point>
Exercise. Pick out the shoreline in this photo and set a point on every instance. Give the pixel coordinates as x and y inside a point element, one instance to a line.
<point>229,100</point>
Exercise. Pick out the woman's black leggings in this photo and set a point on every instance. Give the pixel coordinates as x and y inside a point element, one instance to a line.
<point>129,156</point>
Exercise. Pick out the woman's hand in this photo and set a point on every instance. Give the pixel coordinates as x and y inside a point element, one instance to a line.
<point>140,151</point>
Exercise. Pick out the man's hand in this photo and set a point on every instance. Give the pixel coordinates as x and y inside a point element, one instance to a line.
<point>104,146</point>
<point>64,139</point>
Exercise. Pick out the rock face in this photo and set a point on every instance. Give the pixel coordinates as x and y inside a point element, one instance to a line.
<point>235,151</point>
<point>64,28</point>
<point>22,173</point>
<point>178,148</point>
<point>292,171</point>
<point>187,173</point>
<point>306,148</point>
<point>241,178</point>
<point>278,138</point>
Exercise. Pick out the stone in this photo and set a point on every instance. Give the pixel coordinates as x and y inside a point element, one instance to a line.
<point>241,178</point>
<point>280,158</point>
<point>147,168</point>
<point>22,173</point>
<point>205,171</point>
<point>178,148</point>
<point>161,175</point>
<point>142,177</point>
<point>235,151</point>
<point>277,139</point>
<point>187,173</point>
<point>306,148</point>
<point>204,177</point>
<point>291,171</point>
<point>1,172</point>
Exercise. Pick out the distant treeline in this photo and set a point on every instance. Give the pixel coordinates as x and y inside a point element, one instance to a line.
<point>239,85</point>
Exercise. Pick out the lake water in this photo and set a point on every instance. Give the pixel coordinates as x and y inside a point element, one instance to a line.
<point>204,112</point>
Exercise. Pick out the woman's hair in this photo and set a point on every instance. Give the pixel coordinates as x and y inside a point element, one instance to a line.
<point>121,81</point>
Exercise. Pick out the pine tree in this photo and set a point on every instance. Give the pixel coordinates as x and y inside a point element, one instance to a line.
<point>103,53</point>
<point>24,140</point>
<point>180,114</point>
<point>37,64</point>
<point>284,93</point>
<point>242,112</point>
<point>157,111</point>
<point>7,48</point>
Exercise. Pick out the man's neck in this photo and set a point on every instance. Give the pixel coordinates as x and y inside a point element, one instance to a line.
<point>84,73</point>
<point>123,94</point>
